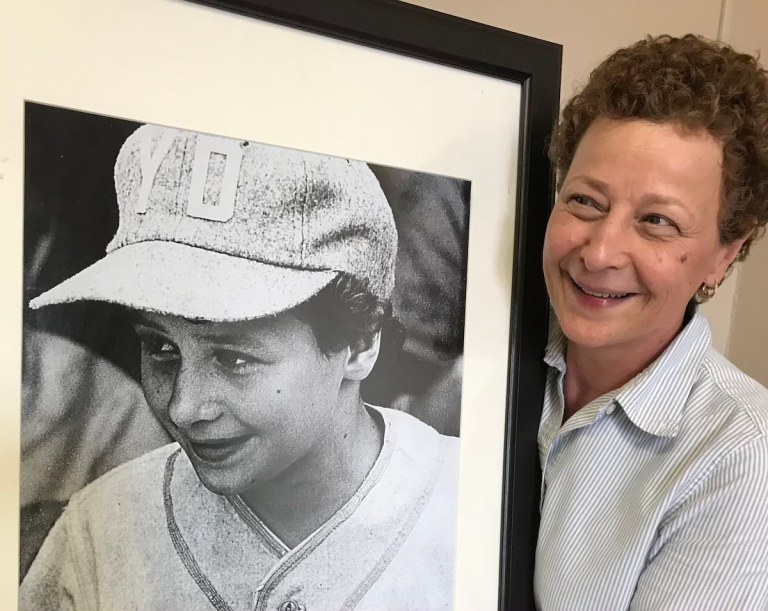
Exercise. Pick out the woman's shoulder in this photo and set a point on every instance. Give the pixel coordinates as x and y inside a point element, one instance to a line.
<point>730,387</point>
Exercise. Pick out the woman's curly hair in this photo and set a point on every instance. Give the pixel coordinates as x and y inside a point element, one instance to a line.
<point>700,85</point>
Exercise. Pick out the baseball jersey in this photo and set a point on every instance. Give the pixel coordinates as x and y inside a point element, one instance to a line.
<point>149,535</point>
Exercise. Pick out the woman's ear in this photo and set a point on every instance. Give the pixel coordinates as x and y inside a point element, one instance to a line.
<point>362,357</point>
<point>728,254</point>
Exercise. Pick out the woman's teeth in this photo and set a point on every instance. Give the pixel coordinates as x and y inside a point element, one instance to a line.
<point>602,295</point>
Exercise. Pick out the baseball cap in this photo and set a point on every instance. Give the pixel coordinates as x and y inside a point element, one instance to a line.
<point>222,229</point>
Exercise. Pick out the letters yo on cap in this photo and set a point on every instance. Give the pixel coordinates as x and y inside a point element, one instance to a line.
<point>220,229</point>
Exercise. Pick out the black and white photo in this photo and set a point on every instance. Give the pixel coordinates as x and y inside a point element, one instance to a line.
<point>259,282</point>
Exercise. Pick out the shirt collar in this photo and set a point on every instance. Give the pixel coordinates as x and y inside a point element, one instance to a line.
<point>654,400</point>
<point>554,355</point>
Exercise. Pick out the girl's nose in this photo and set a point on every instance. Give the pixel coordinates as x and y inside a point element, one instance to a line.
<point>190,402</point>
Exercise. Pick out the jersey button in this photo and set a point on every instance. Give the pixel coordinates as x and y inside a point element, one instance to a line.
<point>292,605</point>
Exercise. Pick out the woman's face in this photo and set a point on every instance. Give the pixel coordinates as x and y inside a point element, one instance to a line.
<point>246,400</point>
<point>634,233</point>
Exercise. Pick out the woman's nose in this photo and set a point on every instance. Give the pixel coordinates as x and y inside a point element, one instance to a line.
<point>605,245</point>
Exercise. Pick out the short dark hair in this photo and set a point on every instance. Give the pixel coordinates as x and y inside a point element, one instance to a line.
<point>697,84</point>
<point>344,313</point>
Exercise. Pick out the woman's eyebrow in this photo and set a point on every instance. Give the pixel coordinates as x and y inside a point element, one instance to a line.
<point>595,183</point>
<point>664,200</point>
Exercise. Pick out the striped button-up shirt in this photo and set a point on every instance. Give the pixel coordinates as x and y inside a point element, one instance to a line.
<point>655,495</point>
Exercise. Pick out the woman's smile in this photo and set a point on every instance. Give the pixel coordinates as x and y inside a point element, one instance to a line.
<point>599,296</point>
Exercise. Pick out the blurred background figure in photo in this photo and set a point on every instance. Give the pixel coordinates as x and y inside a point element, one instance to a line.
<point>432,217</point>
<point>82,414</point>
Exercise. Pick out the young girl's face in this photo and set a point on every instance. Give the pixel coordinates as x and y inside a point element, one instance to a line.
<point>246,400</point>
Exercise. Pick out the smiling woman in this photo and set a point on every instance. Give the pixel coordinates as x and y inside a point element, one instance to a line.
<point>654,449</point>
<point>631,238</point>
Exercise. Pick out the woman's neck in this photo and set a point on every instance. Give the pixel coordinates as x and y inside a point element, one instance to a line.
<point>593,372</point>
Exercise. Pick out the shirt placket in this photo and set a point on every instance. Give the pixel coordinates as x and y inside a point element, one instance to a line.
<point>549,438</point>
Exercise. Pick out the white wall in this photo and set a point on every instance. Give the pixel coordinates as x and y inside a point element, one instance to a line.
<point>745,26</point>
<point>588,29</point>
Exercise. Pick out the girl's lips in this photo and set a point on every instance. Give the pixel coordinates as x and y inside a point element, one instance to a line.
<point>217,450</point>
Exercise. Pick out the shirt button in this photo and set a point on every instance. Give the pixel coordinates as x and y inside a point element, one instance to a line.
<point>610,409</point>
<point>292,605</point>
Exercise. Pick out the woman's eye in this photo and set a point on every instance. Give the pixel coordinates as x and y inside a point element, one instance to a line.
<point>659,221</point>
<point>655,219</point>
<point>583,206</point>
<point>582,200</point>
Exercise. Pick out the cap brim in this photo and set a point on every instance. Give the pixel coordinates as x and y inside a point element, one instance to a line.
<point>191,282</point>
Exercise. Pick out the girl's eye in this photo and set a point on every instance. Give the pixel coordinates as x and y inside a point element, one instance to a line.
<point>159,349</point>
<point>236,362</point>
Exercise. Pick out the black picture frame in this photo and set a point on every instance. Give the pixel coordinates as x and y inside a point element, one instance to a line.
<point>535,64</point>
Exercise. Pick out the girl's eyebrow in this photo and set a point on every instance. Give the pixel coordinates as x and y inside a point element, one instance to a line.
<point>140,319</point>
<point>226,338</point>
<point>234,339</point>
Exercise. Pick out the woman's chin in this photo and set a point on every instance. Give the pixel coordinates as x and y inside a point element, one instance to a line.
<point>593,336</point>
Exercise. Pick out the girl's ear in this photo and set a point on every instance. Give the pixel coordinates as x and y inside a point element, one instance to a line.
<point>362,357</point>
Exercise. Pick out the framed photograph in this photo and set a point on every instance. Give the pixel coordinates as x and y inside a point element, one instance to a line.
<point>448,117</point>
